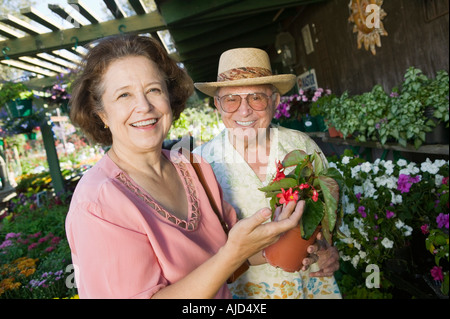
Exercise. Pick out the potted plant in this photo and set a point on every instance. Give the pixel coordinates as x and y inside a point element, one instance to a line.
<point>17,98</point>
<point>58,96</point>
<point>319,187</point>
<point>437,108</point>
<point>294,111</point>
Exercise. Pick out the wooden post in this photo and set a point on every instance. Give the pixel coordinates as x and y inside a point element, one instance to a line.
<point>52,157</point>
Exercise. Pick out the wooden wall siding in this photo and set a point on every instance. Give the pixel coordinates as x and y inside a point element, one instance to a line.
<point>417,36</point>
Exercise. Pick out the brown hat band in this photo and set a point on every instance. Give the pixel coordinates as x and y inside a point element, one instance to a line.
<point>243,73</point>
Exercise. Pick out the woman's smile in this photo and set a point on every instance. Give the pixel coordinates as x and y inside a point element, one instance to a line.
<point>145,123</point>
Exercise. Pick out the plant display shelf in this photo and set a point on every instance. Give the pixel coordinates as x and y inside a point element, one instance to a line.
<point>437,149</point>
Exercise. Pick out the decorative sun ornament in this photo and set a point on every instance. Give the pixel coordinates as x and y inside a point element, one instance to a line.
<point>367,16</point>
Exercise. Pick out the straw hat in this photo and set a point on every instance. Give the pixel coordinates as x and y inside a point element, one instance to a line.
<point>246,66</point>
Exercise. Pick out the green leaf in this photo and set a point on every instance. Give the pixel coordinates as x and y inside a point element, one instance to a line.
<point>285,183</point>
<point>312,216</point>
<point>294,158</point>
<point>330,191</point>
<point>417,143</point>
<point>318,163</point>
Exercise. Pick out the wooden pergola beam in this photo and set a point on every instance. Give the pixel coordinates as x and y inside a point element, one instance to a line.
<point>65,15</point>
<point>41,18</point>
<point>47,42</point>
<point>8,32</point>
<point>84,11</point>
<point>19,24</point>
<point>115,9</point>
<point>137,6</point>
<point>27,67</point>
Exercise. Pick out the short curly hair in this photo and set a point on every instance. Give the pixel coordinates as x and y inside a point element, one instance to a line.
<point>87,89</point>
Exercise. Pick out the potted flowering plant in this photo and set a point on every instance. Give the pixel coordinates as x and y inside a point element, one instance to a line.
<point>310,180</point>
<point>58,96</point>
<point>294,111</point>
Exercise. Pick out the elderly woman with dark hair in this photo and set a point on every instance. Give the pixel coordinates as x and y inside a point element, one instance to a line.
<point>140,224</point>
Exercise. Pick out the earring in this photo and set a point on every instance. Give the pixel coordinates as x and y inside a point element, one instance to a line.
<point>106,126</point>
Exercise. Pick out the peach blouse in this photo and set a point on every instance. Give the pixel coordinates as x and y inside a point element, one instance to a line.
<point>124,244</point>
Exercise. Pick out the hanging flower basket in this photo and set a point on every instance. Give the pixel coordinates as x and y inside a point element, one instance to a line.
<point>19,107</point>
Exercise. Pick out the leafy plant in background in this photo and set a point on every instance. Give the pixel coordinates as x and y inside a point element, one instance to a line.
<point>198,120</point>
<point>399,116</point>
<point>12,91</point>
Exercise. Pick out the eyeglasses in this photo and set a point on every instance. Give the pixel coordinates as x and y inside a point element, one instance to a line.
<point>231,102</point>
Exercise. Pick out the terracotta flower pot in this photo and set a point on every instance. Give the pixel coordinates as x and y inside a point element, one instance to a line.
<point>333,132</point>
<point>290,250</point>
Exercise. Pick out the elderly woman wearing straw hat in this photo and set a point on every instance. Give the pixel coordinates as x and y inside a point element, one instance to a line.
<point>243,157</point>
<point>140,224</point>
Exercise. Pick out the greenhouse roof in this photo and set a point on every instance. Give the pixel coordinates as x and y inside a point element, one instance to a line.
<point>194,32</point>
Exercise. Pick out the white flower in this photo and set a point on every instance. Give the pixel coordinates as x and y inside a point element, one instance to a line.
<point>440,163</point>
<point>386,181</point>
<point>369,190</point>
<point>346,231</point>
<point>407,230</point>
<point>438,180</point>
<point>375,169</point>
<point>358,189</point>
<point>401,162</point>
<point>387,243</point>
<point>332,164</point>
<point>396,199</point>
<point>362,254</point>
<point>355,170</point>
<point>399,224</point>
<point>429,167</point>
<point>349,208</point>
<point>345,160</point>
<point>366,167</point>
<point>389,167</point>
<point>355,261</point>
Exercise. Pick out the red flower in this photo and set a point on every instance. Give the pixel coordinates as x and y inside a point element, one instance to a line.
<point>280,174</point>
<point>287,196</point>
<point>315,196</point>
<point>303,186</point>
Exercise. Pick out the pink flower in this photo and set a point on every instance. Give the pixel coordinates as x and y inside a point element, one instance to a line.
<point>32,246</point>
<point>436,273</point>
<point>425,229</point>
<point>49,249</point>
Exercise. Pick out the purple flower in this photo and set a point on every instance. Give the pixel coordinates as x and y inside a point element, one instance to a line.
<point>442,220</point>
<point>362,211</point>
<point>394,94</point>
<point>358,196</point>
<point>404,183</point>
<point>6,243</point>
<point>389,214</point>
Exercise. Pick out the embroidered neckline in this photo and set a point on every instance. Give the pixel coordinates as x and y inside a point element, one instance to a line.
<point>194,212</point>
